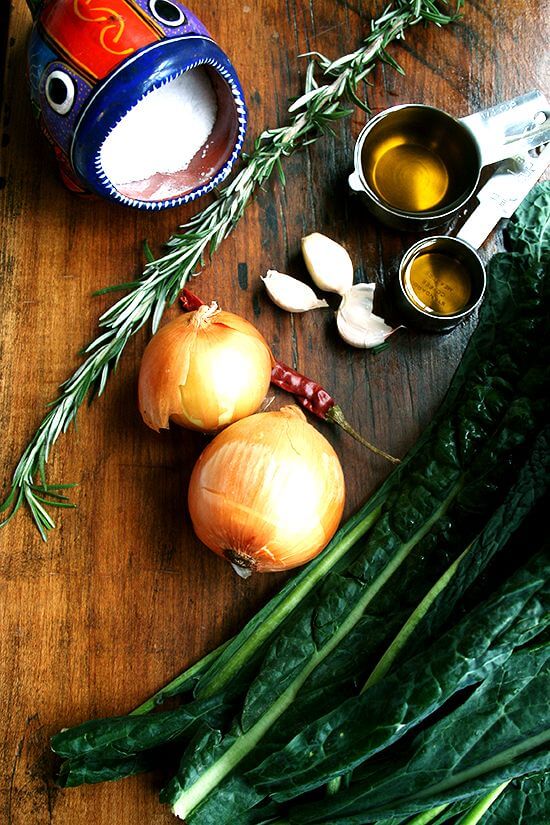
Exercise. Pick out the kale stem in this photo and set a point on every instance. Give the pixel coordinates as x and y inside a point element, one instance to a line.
<point>393,650</point>
<point>334,785</point>
<point>402,637</point>
<point>427,816</point>
<point>474,815</point>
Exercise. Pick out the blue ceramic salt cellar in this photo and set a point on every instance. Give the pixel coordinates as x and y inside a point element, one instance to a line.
<point>91,61</point>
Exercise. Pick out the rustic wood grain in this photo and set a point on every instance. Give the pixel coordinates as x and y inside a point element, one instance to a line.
<point>123,596</point>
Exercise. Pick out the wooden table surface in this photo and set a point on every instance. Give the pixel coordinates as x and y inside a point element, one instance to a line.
<point>122,595</point>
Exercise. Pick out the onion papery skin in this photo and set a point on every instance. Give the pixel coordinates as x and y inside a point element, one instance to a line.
<point>203,370</point>
<point>268,492</point>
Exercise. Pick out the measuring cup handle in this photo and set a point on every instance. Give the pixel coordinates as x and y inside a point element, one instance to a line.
<point>354,182</point>
<point>510,128</point>
<point>477,228</point>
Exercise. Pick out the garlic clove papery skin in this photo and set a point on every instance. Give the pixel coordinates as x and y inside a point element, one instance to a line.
<point>203,370</point>
<point>267,494</point>
<point>328,263</point>
<point>290,294</point>
<point>357,324</point>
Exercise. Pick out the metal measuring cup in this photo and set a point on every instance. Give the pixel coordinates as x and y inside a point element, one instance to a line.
<point>416,166</point>
<point>499,198</point>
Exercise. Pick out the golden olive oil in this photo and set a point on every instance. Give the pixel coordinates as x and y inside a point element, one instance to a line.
<point>438,283</point>
<point>407,175</point>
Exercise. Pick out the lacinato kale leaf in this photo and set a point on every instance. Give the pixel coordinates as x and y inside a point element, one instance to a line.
<point>531,484</point>
<point>325,688</point>
<point>529,230</point>
<point>74,772</point>
<point>123,736</point>
<point>361,727</point>
<point>501,731</point>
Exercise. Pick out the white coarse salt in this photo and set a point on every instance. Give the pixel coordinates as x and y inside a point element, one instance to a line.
<point>163,131</point>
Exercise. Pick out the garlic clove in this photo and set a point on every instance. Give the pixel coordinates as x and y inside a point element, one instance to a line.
<point>357,323</point>
<point>329,264</point>
<point>290,293</point>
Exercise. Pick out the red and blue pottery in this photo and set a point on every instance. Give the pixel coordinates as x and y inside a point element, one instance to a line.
<point>91,61</point>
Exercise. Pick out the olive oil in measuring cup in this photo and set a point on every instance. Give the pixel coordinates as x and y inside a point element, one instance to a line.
<point>441,280</point>
<point>408,175</point>
<point>415,165</point>
<point>438,283</point>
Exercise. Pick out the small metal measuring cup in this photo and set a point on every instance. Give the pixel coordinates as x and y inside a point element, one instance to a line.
<point>499,198</point>
<point>416,166</point>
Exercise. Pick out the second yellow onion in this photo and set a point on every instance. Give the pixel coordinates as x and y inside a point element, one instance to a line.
<point>203,370</point>
<point>268,492</point>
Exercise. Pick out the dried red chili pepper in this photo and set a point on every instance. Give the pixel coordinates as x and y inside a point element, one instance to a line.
<point>318,401</point>
<point>311,395</point>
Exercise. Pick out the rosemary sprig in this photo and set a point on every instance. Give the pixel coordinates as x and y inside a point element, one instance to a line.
<point>312,115</point>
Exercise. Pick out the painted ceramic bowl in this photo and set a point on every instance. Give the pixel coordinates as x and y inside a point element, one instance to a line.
<point>141,105</point>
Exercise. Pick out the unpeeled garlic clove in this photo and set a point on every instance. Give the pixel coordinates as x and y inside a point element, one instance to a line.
<point>329,264</point>
<point>357,324</point>
<point>290,293</point>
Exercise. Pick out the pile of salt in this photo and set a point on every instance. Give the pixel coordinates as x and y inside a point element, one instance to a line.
<point>163,131</point>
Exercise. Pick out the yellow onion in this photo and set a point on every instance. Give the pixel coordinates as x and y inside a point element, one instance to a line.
<point>203,370</point>
<point>268,492</point>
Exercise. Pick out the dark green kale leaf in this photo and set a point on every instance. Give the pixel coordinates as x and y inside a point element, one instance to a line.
<point>529,230</point>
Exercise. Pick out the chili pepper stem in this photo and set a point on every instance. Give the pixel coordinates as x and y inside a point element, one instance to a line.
<point>336,415</point>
